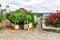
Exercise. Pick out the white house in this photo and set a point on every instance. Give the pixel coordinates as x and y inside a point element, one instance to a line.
<point>7,8</point>
<point>0,7</point>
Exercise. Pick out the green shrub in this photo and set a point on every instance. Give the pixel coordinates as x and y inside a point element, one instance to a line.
<point>1,17</point>
<point>18,17</point>
<point>14,17</point>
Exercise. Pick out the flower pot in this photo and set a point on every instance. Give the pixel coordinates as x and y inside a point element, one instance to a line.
<point>15,26</point>
<point>26,27</point>
<point>7,23</point>
<point>30,26</point>
<point>0,24</point>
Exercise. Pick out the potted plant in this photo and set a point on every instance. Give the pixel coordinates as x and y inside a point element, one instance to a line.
<point>26,18</point>
<point>23,19</point>
<point>25,22</point>
<point>29,19</point>
<point>51,21</point>
<point>30,22</point>
<point>41,21</point>
<point>14,18</point>
<point>35,20</point>
<point>35,24</point>
<point>1,17</point>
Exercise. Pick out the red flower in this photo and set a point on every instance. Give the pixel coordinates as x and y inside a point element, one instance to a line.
<point>52,17</point>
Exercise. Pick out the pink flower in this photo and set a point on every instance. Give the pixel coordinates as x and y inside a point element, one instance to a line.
<point>52,17</point>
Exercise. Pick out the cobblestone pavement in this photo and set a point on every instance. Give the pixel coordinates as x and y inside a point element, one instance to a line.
<point>35,34</point>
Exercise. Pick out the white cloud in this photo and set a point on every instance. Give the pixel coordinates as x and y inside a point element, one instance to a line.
<point>34,5</point>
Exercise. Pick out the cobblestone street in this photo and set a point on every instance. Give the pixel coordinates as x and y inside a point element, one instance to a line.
<point>35,34</point>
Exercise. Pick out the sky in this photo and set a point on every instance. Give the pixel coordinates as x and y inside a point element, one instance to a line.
<point>37,6</point>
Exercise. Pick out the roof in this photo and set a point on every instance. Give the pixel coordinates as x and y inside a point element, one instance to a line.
<point>22,10</point>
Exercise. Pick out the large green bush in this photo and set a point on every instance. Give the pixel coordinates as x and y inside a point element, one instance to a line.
<point>18,17</point>
<point>14,17</point>
<point>29,17</point>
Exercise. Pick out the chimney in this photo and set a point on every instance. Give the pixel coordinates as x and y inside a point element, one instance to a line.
<point>7,8</point>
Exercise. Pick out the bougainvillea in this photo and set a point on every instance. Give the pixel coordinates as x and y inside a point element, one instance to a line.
<point>53,19</point>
